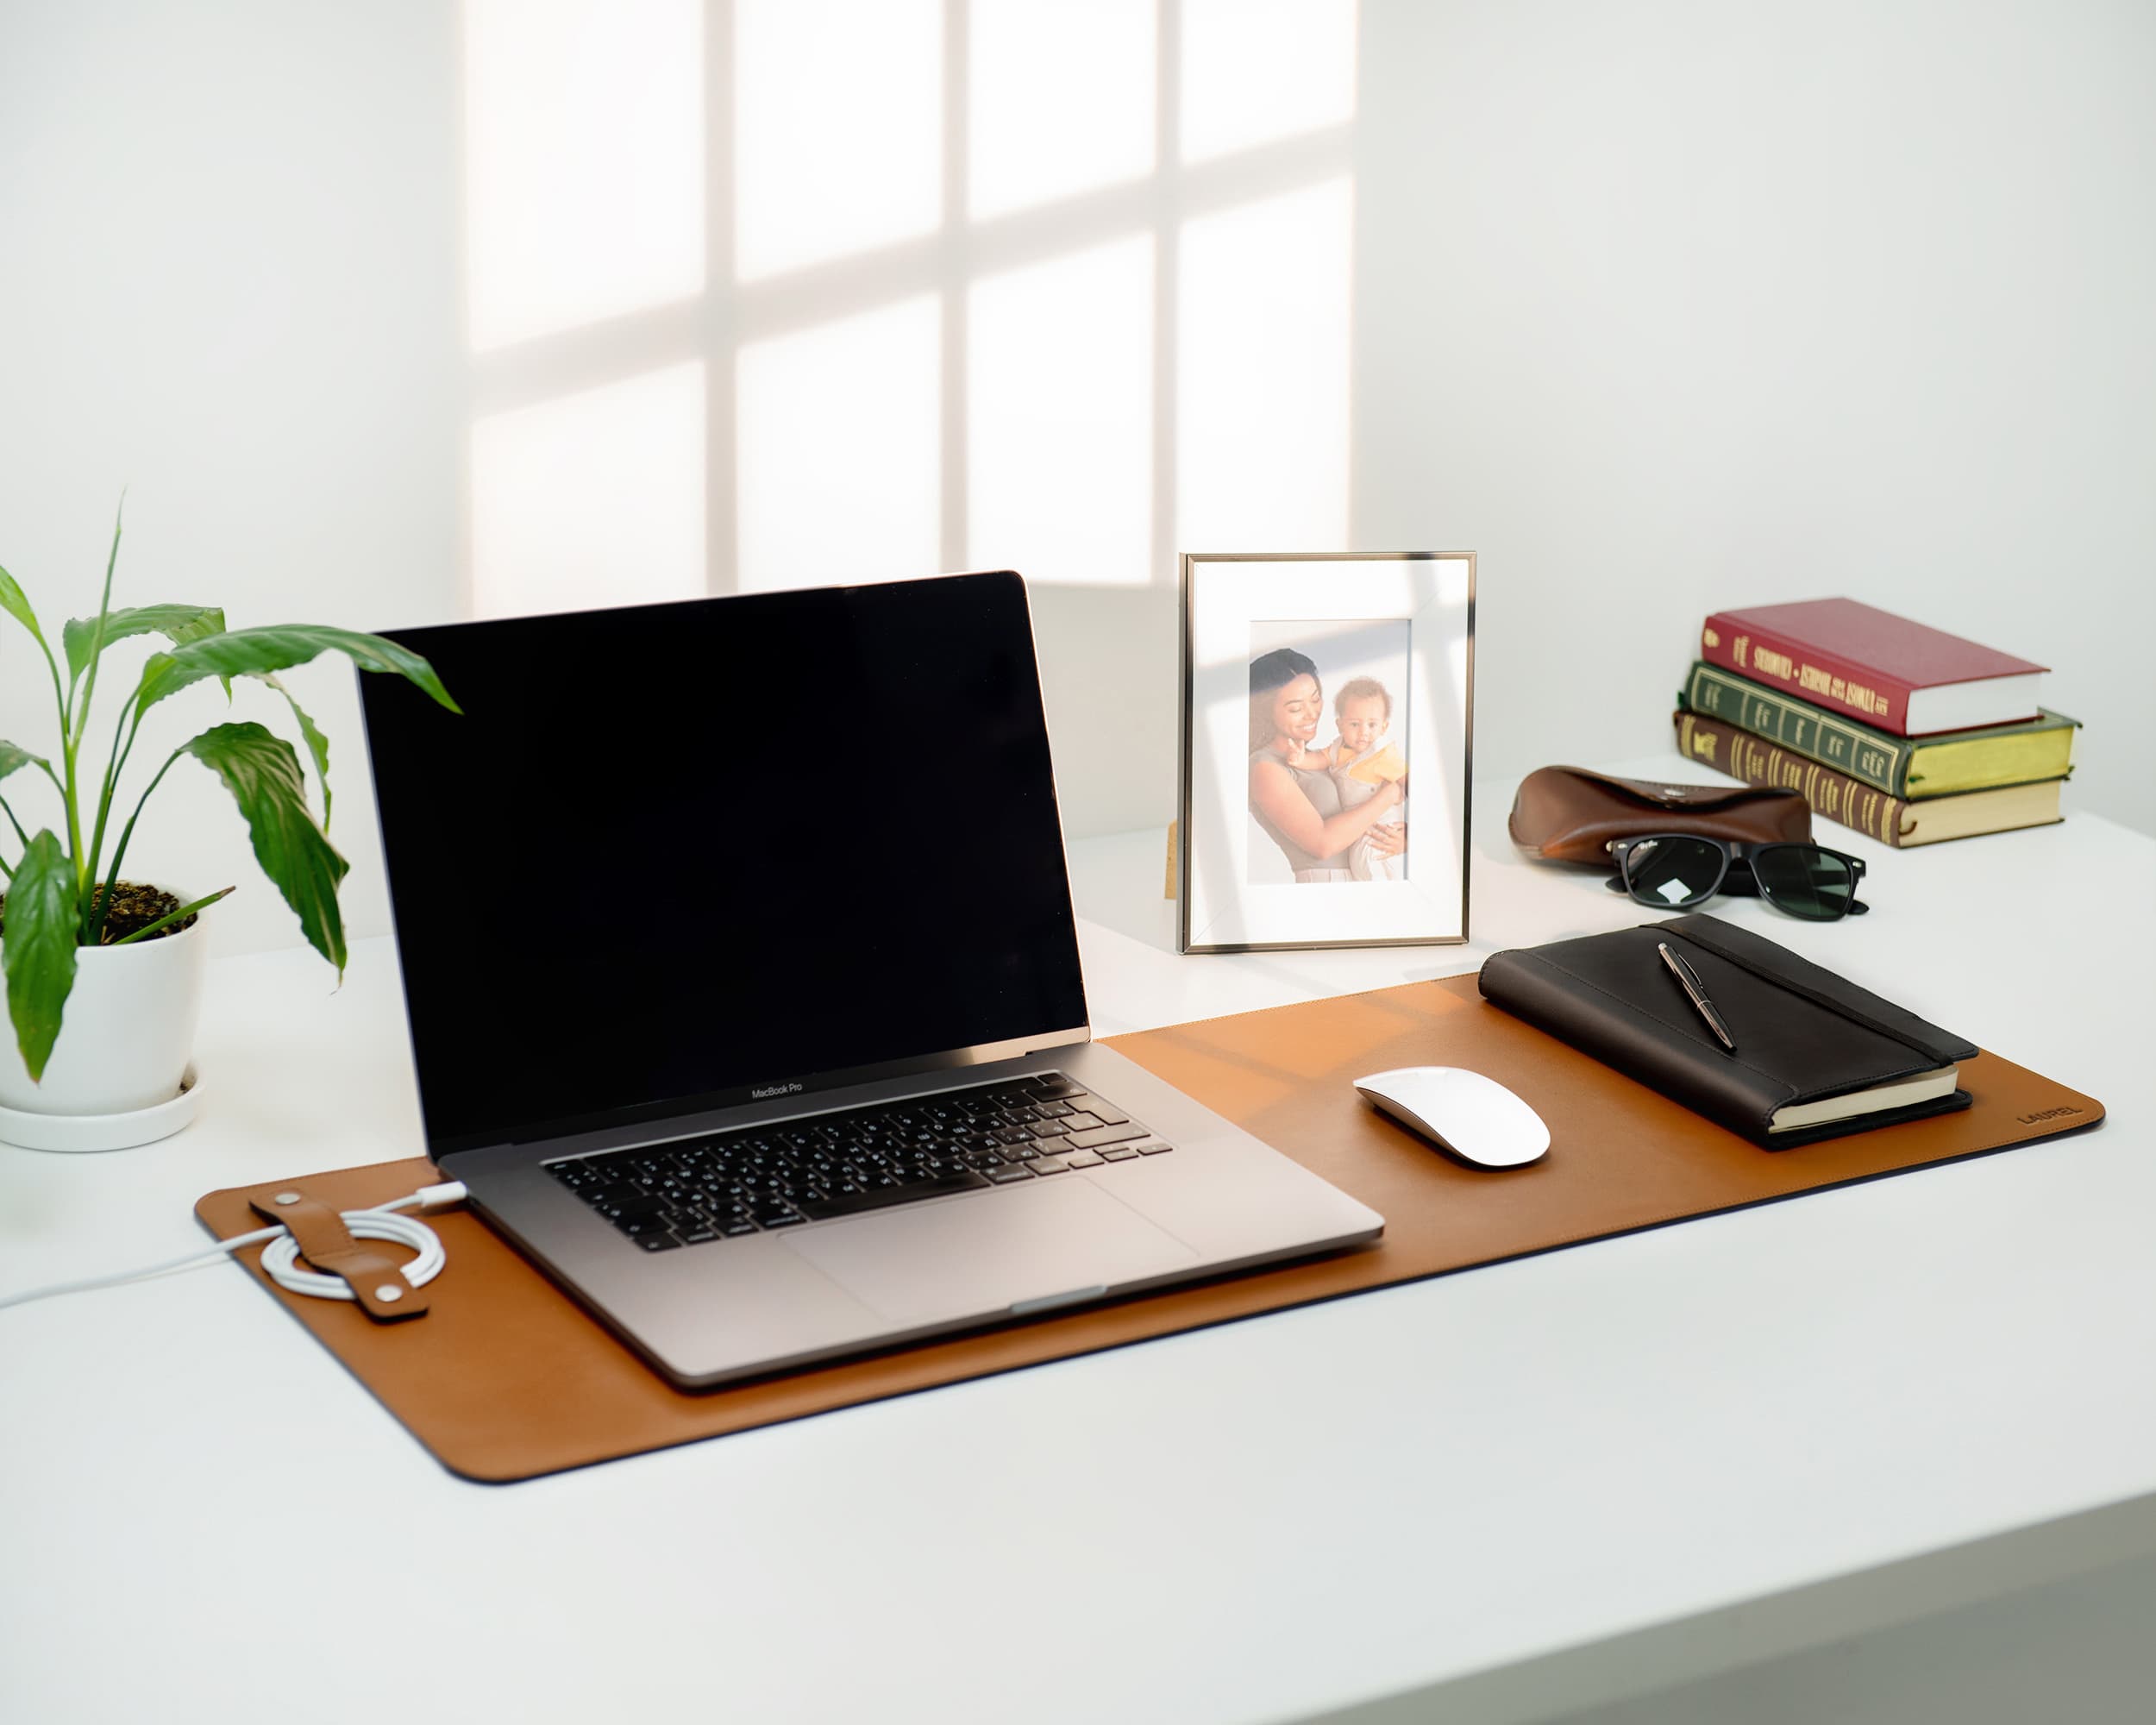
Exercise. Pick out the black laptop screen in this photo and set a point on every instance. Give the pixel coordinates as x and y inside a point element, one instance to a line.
<point>675,856</point>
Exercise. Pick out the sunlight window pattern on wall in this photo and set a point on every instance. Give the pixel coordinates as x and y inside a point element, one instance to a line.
<point>768,292</point>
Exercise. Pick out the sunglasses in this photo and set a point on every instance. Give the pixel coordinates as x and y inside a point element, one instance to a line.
<point>1671,870</point>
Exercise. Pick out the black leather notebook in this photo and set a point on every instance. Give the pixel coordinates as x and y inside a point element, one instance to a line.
<point>1808,1043</point>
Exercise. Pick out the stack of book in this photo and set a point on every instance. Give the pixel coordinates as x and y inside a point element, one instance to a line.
<point>1906,733</point>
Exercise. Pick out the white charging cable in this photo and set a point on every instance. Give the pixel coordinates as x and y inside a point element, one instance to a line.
<point>280,1261</point>
<point>280,1257</point>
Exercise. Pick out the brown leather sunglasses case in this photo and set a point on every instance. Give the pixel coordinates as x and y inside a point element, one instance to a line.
<point>1568,814</point>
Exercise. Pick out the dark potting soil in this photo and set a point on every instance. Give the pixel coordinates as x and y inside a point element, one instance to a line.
<point>134,906</point>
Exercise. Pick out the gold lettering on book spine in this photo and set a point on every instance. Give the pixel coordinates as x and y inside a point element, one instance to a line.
<point>1816,682</point>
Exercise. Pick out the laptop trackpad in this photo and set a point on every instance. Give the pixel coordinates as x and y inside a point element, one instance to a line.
<point>926,1261</point>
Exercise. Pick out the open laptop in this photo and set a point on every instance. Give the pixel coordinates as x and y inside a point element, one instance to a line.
<point>743,981</point>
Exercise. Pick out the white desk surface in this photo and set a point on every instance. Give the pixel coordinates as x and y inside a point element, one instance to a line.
<point>1571,1478</point>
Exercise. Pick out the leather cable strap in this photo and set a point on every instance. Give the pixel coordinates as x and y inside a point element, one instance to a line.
<point>376,1280</point>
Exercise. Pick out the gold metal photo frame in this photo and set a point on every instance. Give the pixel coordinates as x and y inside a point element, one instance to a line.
<point>1327,750</point>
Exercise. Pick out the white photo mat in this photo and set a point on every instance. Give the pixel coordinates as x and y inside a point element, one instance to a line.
<point>1224,597</point>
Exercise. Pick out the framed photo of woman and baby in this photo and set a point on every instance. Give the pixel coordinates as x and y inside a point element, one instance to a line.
<point>1327,739</point>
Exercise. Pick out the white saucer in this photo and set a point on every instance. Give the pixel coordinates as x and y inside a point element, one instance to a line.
<point>102,1131</point>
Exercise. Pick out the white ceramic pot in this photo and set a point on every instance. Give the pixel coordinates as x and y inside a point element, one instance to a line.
<point>126,1032</point>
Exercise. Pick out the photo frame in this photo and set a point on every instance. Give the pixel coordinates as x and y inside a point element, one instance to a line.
<point>1328,703</point>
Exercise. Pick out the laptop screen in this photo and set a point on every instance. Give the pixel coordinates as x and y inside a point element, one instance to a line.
<point>677,857</point>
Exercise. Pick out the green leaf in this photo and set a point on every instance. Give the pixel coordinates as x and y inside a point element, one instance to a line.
<point>37,948</point>
<point>250,652</point>
<point>178,624</point>
<point>261,770</point>
<point>13,757</point>
<point>318,744</point>
<point>16,604</point>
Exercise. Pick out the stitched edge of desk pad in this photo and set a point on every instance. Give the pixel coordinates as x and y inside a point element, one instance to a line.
<point>507,1378</point>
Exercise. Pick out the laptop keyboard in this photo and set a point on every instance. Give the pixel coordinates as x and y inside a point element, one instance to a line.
<point>696,1191</point>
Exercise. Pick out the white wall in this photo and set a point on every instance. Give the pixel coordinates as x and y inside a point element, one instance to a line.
<point>1674,303</point>
<point>1658,306</point>
<point>228,283</point>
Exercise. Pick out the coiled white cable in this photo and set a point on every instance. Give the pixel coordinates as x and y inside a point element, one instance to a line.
<point>281,1258</point>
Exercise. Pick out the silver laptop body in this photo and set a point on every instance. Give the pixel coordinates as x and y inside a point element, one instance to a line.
<point>596,1106</point>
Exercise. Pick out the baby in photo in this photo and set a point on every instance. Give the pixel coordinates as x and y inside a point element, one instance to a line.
<point>1361,759</point>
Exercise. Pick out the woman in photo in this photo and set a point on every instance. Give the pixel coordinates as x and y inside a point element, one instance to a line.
<point>1293,795</point>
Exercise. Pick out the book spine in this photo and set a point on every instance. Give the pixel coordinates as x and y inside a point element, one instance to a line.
<point>1869,756</point>
<point>1781,661</point>
<point>1757,762</point>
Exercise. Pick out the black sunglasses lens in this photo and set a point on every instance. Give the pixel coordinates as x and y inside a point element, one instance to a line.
<point>1672,871</point>
<point>1804,881</point>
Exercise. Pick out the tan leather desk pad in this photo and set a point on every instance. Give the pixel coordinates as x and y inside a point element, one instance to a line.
<point>506,1377</point>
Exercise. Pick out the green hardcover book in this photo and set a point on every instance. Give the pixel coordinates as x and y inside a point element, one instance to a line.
<point>1909,766</point>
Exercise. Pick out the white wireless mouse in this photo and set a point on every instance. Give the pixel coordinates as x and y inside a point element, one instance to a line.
<point>1476,1118</point>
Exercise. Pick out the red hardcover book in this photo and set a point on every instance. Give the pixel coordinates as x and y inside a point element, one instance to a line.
<point>1851,658</point>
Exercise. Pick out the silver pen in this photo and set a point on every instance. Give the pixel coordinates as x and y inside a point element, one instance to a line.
<point>1693,987</point>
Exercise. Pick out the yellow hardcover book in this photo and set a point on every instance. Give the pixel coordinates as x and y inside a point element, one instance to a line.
<point>1943,765</point>
<point>2043,749</point>
<point>1976,811</point>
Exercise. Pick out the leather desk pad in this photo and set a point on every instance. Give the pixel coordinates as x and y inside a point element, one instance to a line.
<point>507,1377</point>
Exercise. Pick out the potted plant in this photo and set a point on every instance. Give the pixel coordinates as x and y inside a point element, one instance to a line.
<point>103,975</point>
